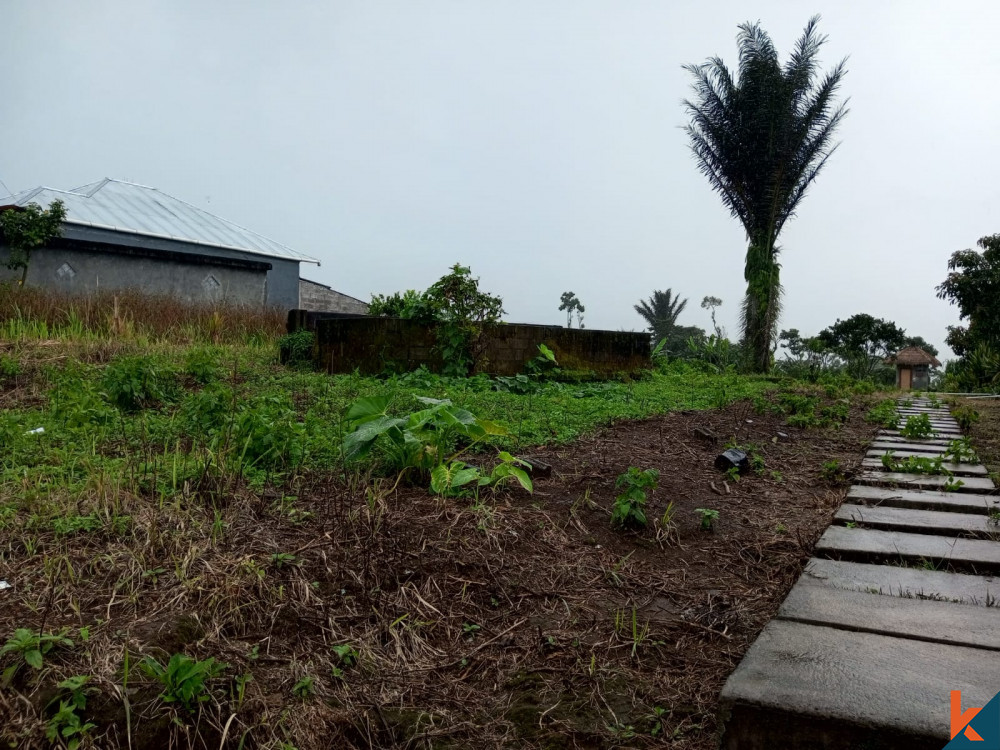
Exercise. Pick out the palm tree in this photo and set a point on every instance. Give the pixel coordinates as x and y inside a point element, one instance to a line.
<point>761,138</point>
<point>661,312</point>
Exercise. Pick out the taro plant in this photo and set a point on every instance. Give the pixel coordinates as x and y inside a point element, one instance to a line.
<point>184,680</point>
<point>30,647</point>
<point>629,510</point>
<point>426,440</point>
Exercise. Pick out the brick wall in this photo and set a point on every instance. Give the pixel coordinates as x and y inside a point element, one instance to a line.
<point>375,345</point>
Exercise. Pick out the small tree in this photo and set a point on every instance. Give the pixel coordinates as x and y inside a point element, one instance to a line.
<point>974,285</point>
<point>863,341</point>
<point>27,229</point>
<point>571,303</point>
<point>710,303</point>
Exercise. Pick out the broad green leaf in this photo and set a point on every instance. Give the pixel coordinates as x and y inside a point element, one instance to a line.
<point>358,443</point>
<point>492,428</point>
<point>440,479</point>
<point>34,658</point>
<point>464,476</point>
<point>522,476</point>
<point>367,409</point>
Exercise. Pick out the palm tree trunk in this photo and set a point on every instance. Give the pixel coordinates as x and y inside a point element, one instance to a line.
<point>761,304</point>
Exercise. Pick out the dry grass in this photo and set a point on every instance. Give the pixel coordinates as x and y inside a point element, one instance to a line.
<point>124,315</point>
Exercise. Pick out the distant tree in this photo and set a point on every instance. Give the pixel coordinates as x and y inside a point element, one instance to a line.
<point>26,229</point>
<point>710,303</point>
<point>919,341</point>
<point>761,137</point>
<point>864,341</point>
<point>660,312</point>
<point>571,303</point>
<point>974,285</point>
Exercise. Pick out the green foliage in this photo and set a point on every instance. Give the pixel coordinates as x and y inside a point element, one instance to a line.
<point>917,426</point>
<point>884,413</point>
<point>66,725</point>
<point>26,229</point>
<point>953,484</point>
<point>298,349</point>
<point>202,365</point>
<point>184,680</point>
<point>629,510</point>
<point>305,688</point>
<point>761,136</point>
<point>864,342</point>
<point>134,383</point>
<point>961,451</point>
<point>915,464</point>
<point>708,518</point>
<point>966,416</point>
<point>831,471</point>
<point>30,647</point>
<point>10,368</point>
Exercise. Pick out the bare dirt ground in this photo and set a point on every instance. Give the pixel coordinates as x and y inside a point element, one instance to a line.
<point>390,618</point>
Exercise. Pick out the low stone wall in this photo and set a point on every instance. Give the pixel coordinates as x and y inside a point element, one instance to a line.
<point>376,345</point>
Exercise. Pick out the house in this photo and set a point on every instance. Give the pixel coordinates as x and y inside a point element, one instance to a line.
<point>913,368</point>
<point>119,235</point>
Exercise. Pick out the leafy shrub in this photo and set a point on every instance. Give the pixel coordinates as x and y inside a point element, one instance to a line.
<point>831,471</point>
<point>134,383</point>
<point>202,365</point>
<point>708,518</point>
<point>884,413</point>
<point>629,509</point>
<point>298,349</point>
<point>184,680</point>
<point>9,367</point>
<point>918,426</point>
<point>31,648</point>
<point>268,434</point>
<point>66,724</point>
<point>206,412</point>
<point>424,439</point>
<point>966,417</point>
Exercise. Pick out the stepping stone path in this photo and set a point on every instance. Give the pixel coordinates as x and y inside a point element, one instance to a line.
<point>899,606</point>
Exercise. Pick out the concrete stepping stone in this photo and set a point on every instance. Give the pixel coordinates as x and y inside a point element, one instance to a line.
<point>960,470</point>
<point>873,545</point>
<point>955,502</point>
<point>929,481</point>
<point>806,686</point>
<point>887,444</point>
<point>813,603</point>
<point>942,434</point>
<point>911,583</point>
<point>919,521</point>
<point>898,451</point>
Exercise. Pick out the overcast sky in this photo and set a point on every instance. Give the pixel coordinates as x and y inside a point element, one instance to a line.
<point>539,142</point>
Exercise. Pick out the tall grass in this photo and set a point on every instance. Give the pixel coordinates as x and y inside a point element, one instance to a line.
<point>33,313</point>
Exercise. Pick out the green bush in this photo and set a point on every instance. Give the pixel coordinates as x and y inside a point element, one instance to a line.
<point>629,510</point>
<point>298,349</point>
<point>134,383</point>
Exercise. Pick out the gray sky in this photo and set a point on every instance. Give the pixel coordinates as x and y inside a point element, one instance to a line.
<point>538,142</point>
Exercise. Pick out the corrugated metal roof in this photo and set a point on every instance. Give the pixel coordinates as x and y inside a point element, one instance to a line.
<point>138,209</point>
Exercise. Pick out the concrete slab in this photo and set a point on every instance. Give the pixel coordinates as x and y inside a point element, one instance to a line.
<point>919,521</point>
<point>812,603</point>
<point>955,502</point>
<point>945,434</point>
<point>901,450</point>
<point>804,686</point>
<point>944,413</point>
<point>961,470</point>
<point>908,583</point>
<point>934,482</point>
<point>872,545</point>
<point>883,444</point>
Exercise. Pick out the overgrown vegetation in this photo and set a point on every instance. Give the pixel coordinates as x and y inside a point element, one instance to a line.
<point>175,504</point>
